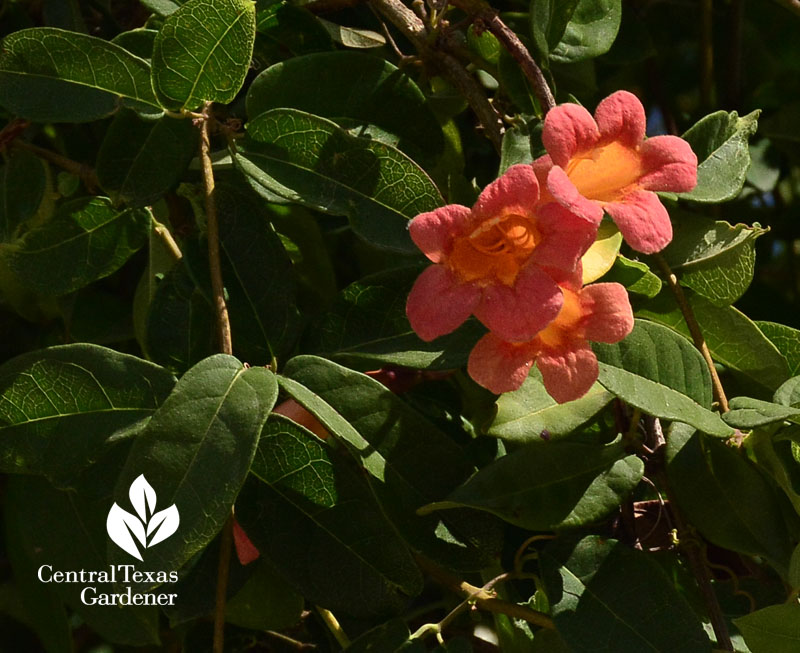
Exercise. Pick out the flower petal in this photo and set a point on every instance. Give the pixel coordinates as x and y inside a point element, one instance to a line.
<point>541,167</point>
<point>643,221</point>
<point>520,311</point>
<point>609,317</point>
<point>620,117</point>
<point>565,193</point>
<point>568,373</point>
<point>516,191</point>
<point>568,129</point>
<point>565,237</point>
<point>498,365</point>
<point>438,303</point>
<point>433,232</point>
<point>669,164</point>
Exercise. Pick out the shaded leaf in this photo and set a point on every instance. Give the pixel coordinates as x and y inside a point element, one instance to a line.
<point>748,413</point>
<point>286,29</point>
<point>355,90</point>
<point>23,182</point>
<point>368,323</point>
<point>266,602</point>
<point>725,497</point>
<point>60,406</point>
<point>549,20</point>
<point>590,32</point>
<point>351,37</point>
<point>720,141</point>
<point>635,276</point>
<point>51,75</point>
<point>86,240</point>
<point>211,420</point>
<point>775,629</point>
<point>603,591</point>
<point>309,511</point>
<point>162,7</point>
<point>789,393</point>
<point>140,160</point>
<point>137,41</point>
<point>778,456</point>
<point>530,414</point>
<point>309,160</point>
<point>202,52</point>
<point>484,44</point>
<point>787,341</point>
<point>551,487</point>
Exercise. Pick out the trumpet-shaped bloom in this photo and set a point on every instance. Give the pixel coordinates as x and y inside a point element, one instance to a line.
<point>606,164</point>
<point>494,260</point>
<point>600,313</point>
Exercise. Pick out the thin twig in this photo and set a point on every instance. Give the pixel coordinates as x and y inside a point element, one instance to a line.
<point>85,172</point>
<point>294,643</point>
<point>694,330</point>
<point>223,569</point>
<point>483,599</point>
<point>333,625</point>
<point>486,15</point>
<point>165,235</point>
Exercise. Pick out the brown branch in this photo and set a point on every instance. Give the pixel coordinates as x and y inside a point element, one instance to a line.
<point>85,172</point>
<point>487,16</point>
<point>415,31</point>
<point>483,599</point>
<point>694,330</point>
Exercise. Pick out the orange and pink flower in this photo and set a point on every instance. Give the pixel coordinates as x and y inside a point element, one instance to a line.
<point>599,313</point>
<point>495,260</point>
<point>606,164</point>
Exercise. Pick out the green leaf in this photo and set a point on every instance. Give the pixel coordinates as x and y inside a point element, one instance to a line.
<point>51,75</point>
<point>355,90</point>
<point>266,602</point>
<point>23,182</point>
<point>140,160</point>
<point>137,41</point>
<point>549,20</point>
<point>285,28</point>
<point>725,497</point>
<point>530,414</point>
<point>411,461</point>
<point>60,406</point>
<point>311,161</point>
<point>605,593</point>
<point>720,141</point>
<point>794,568</point>
<point>713,258</point>
<point>516,146</point>
<point>202,52</point>
<point>732,338</point>
<point>635,276</point>
<point>86,240</point>
<point>351,37</point>
<point>210,422</point>
<point>485,44</point>
<point>775,629</point>
<point>787,341</point>
<point>789,393</point>
<point>655,353</point>
<point>748,413</point>
<point>591,31</point>
<point>368,323</point>
<point>778,457</point>
<point>310,512</point>
<point>74,542</point>
<point>162,7</point>
<point>557,486</point>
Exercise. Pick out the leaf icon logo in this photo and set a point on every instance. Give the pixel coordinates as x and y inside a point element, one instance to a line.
<point>126,529</point>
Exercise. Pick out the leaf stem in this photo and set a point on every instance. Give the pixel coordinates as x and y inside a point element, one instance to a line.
<point>694,330</point>
<point>485,15</point>
<point>333,625</point>
<point>85,172</point>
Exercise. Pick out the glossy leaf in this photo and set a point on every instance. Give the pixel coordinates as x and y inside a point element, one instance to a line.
<point>61,405</point>
<point>202,52</point>
<point>720,141</point>
<point>354,90</point>
<point>732,338</point>
<point>715,259</point>
<point>51,75</point>
<point>604,591</point>
<point>388,438</point>
<point>86,240</point>
<point>787,341</point>
<point>748,413</point>
<point>725,497</point>
<point>211,420</point>
<point>775,629</point>
<point>140,160</point>
<point>551,487</point>
<point>549,20</point>
<point>309,511</point>
<point>23,182</point>
<point>311,161</point>
<point>530,414</point>
<point>590,32</point>
<point>368,323</point>
<point>635,276</point>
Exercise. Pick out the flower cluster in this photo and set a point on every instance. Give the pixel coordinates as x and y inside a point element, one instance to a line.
<point>514,259</point>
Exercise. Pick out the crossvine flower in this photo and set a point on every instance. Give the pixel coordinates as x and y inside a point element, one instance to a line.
<point>495,260</point>
<point>605,163</point>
